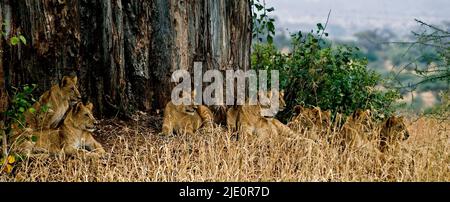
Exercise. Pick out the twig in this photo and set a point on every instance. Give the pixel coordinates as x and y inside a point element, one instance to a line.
<point>326,24</point>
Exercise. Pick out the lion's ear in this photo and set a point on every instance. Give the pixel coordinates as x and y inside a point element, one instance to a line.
<point>90,106</point>
<point>261,94</point>
<point>391,121</point>
<point>77,107</point>
<point>185,94</point>
<point>194,93</point>
<point>298,109</point>
<point>64,81</point>
<point>75,79</point>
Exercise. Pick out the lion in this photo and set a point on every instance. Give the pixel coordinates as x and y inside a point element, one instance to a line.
<point>363,118</point>
<point>248,119</point>
<point>181,118</point>
<point>206,115</point>
<point>233,112</point>
<point>355,131</point>
<point>309,118</point>
<point>393,130</point>
<point>74,135</point>
<point>58,100</point>
<point>250,122</point>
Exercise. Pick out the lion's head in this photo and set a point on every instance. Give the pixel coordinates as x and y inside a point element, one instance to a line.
<point>392,131</point>
<point>266,101</point>
<point>69,87</point>
<point>81,117</point>
<point>189,109</point>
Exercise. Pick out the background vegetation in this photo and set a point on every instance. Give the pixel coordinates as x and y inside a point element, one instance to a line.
<point>415,66</point>
<point>317,72</point>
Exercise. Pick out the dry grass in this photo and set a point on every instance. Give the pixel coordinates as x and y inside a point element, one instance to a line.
<point>137,154</point>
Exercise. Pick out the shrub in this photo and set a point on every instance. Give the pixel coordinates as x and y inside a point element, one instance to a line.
<point>318,73</point>
<point>20,102</point>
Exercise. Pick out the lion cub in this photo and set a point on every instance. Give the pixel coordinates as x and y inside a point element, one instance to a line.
<point>181,118</point>
<point>355,131</point>
<point>248,119</point>
<point>73,135</point>
<point>206,115</point>
<point>233,112</point>
<point>58,99</point>
<point>308,118</point>
<point>393,130</point>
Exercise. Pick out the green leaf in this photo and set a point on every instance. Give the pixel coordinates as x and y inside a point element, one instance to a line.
<point>271,27</point>
<point>21,109</point>
<point>22,39</point>
<point>45,108</point>
<point>319,26</point>
<point>26,88</point>
<point>34,138</point>
<point>32,110</point>
<point>14,40</point>
<point>259,7</point>
<point>269,39</point>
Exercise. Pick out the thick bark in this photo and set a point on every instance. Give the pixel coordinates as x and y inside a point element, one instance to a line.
<point>123,51</point>
<point>3,93</point>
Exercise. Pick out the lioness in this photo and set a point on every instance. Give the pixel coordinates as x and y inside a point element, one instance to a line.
<point>393,130</point>
<point>58,100</point>
<point>181,118</point>
<point>73,135</point>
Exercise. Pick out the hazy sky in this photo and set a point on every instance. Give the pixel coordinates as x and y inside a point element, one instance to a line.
<point>350,16</point>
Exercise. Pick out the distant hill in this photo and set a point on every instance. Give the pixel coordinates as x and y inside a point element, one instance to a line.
<point>351,16</point>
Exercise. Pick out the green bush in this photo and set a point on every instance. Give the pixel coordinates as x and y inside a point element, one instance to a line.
<point>21,101</point>
<point>319,73</point>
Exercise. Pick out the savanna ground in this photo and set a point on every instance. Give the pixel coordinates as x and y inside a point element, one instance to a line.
<point>138,154</point>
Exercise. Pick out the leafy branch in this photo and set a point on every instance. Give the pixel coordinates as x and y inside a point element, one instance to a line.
<point>263,24</point>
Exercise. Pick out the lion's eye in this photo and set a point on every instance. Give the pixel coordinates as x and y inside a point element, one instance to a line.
<point>87,115</point>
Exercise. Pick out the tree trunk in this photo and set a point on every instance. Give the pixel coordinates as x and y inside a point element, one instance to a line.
<point>123,51</point>
<point>3,94</point>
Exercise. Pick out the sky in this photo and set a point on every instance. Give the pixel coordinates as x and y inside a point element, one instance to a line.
<point>351,16</point>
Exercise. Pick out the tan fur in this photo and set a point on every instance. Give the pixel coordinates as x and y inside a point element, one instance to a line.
<point>249,121</point>
<point>232,115</point>
<point>220,114</point>
<point>206,115</point>
<point>59,98</point>
<point>282,129</point>
<point>355,130</point>
<point>181,119</point>
<point>75,134</point>
<point>393,130</point>
<point>233,112</point>
<point>309,118</point>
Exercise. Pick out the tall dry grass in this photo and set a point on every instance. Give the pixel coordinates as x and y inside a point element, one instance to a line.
<point>137,154</point>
